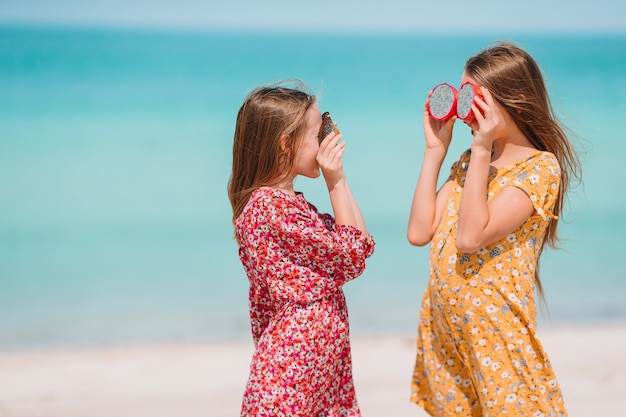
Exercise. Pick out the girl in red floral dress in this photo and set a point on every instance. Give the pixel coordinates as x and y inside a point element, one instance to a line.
<point>296,259</point>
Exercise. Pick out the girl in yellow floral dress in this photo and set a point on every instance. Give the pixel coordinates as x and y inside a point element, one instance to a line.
<point>477,349</point>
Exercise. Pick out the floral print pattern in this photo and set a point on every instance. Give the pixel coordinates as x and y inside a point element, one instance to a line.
<point>297,260</point>
<point>477,352</point>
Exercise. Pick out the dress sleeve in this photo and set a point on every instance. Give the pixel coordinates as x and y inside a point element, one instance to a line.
<point>307,255</point>
<point>540,179</point>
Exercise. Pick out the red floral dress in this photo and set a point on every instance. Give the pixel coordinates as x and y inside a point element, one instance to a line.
<point>297,260</point>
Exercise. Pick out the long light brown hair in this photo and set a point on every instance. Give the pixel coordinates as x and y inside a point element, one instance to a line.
<point>515,80</point>
<point>268,126</point>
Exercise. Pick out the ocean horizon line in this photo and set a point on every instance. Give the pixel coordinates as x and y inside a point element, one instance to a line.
<point>496,35</point>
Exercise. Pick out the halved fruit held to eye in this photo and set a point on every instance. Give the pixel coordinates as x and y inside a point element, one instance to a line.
<point>442,102</point>
<point>465,99</point>
<point>327,127</point>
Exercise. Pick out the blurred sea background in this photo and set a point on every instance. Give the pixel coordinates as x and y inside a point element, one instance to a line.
<point>115,147</point>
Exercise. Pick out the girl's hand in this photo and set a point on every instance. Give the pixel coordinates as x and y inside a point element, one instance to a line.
<point>329,159</point>
<point>488,119</point>
<point>438,133</point>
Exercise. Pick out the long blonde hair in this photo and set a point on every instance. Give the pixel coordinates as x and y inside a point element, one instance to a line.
<point>268,116</point>
<point>515,81</point>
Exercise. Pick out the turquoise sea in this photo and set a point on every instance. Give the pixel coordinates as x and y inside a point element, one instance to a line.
<point>115,154</point>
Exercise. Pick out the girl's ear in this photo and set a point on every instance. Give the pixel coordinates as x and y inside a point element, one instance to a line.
<point>283,143</point>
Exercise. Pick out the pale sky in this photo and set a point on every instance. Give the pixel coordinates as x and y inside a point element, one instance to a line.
<point>371,16</point>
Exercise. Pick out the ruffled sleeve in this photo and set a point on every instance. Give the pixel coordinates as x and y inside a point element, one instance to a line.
<point>302,255</point>
<point>540,178</point>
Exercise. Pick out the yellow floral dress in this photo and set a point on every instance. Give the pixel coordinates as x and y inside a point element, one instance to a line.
<point>477,352</point>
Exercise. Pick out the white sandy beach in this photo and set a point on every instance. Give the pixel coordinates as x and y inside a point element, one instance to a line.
<point>208,380</point>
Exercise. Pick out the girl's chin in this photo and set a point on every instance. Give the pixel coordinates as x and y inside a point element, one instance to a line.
<point>313,174</point>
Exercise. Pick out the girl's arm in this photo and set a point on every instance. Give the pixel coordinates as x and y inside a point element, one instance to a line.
<point>345,208</point>
<point>428,204</point>
<point>357,212</point>
<point>482,223</point>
